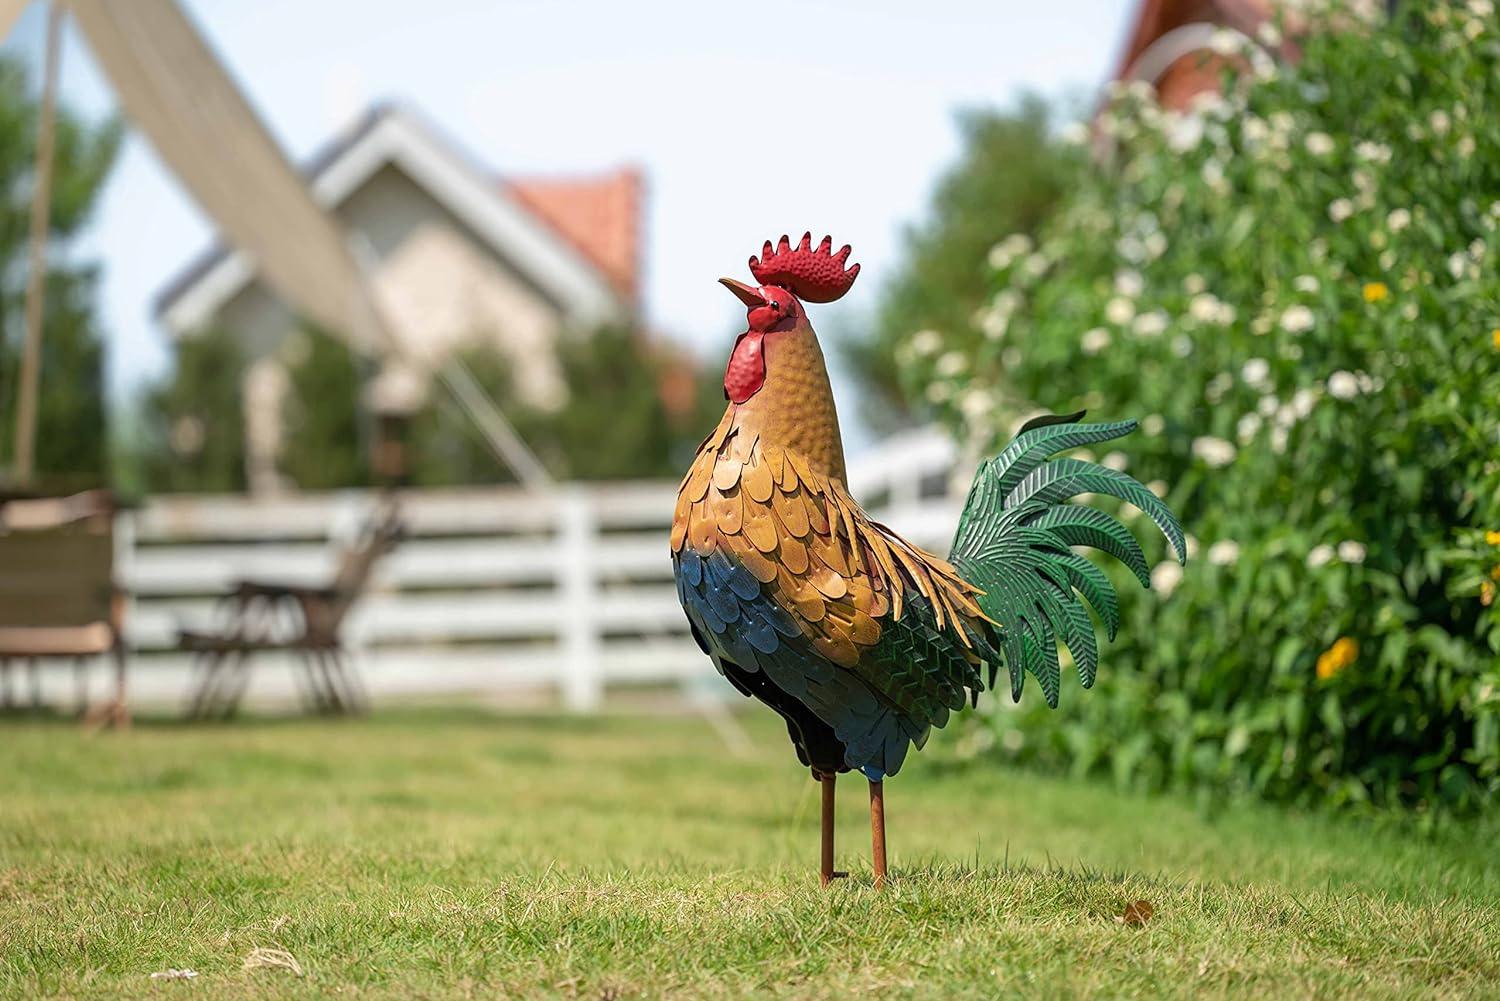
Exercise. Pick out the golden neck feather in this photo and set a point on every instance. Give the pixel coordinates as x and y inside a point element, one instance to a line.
<point>795,409</point>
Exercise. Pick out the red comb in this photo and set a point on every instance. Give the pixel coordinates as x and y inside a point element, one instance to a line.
<point>811,275</point>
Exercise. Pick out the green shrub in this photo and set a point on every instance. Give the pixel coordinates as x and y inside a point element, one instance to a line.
<point>1295,288</point>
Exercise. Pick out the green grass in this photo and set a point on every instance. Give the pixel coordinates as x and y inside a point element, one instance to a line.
<point>452,854</point>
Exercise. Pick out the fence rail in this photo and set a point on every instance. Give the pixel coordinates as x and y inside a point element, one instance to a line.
<point>493,588</point>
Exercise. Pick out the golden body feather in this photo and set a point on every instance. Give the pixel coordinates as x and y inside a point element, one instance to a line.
<point>767,489</point>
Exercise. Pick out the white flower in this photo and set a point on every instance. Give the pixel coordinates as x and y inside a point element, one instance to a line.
<point>1213,176</point>
<point>1194,283</point>
<point>1481,8</point>
<point>1150,324</point>
<point>1305,283</point>
<point>1213,451</point>
<point>1217,387</point>
<point>1343,385</point>
<point>1457,265</point>
<point>1074,134</point>
<point>1224,42</point>
<point>1182,345</point>
<point>1129,283</point>
<point>1247,427</point>
<point>1158,487</point>
<point>1373,151</point>
<point>1204,307</point>
<point>939,392</point>
<point>1319,555</point>
<point>1303,401</point>
<point>994,323</point>
<point>1156,244</point>
<point>1465,147</point>
<point>1398,220</point>
<point>1439,122</point>
<point>1119,310</point>
<point>1296,319</point>
<point>1255,372</point>
<point>1268,405</point>
<point>1184,132</point>
<point>1036,265</point>
<point>1340,209</point>
<point>1004,253</point>
<point>926,342</point>
<point>1319,143</point>
<point>1224,552</point>
<point>1278,440</point>
<point>976,404</point>
<point>1152,425</point>
<point>951,364</point>
<point>1165,577</point>
<point>1094,341</point>
<point>1269,34</point>
<point>1115,460</point>
<point>1351,551</point>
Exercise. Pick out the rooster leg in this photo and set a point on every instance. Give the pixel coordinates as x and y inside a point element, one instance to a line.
<point>877,831</point>
<point>826,873</point>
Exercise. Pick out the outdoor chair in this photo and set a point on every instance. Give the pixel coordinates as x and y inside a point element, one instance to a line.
<point>57,594</point>
<point>260,616</point>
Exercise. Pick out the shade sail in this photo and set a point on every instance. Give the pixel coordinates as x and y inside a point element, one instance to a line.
<point>173,88</point>
<point>10,12</point>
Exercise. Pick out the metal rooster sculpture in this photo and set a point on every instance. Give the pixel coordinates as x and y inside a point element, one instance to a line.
<point>861,641</point>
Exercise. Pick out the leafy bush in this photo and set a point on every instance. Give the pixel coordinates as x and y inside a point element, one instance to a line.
<point>1295,287</point>
<point>71,446</point>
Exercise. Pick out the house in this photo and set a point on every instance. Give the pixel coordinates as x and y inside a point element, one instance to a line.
<point>1170,44</point>
<point>457,258</point>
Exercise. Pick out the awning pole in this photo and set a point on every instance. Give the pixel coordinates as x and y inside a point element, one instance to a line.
<point>36,278</point>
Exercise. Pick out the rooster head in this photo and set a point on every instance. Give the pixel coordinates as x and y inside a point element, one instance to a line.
<point>789,276</point>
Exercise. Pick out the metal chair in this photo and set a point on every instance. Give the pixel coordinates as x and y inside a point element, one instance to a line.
<point>261,616</point>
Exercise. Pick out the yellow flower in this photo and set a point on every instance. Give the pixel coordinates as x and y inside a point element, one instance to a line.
<point>1495,572</point>
<point>1486,593</point>
<point>1376,292</point>
<point>1344,651</point>
<point>1492,537</point>
<point>1495,338</point>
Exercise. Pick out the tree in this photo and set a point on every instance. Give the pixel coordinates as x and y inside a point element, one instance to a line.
<point>635,410</point>
<point>193,420</point>
<point>71,445</point>
<point>325,438</point>
<point>1007,180</point>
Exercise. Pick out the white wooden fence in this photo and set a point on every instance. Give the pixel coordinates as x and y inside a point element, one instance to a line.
<point>493,589</point>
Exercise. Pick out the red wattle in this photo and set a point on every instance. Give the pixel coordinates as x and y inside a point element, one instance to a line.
<point>746,371</point>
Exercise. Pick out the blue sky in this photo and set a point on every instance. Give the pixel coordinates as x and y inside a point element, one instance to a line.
<point>748,121</point>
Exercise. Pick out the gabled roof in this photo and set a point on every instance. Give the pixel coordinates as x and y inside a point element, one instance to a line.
<point>541,231</point>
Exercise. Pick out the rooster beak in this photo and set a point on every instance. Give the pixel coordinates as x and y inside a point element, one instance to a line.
<point>744,293</point>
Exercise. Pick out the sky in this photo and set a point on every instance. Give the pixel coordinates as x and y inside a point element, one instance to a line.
<point>748,121</point>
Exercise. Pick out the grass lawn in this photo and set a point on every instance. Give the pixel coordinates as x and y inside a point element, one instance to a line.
<point>456,854</point>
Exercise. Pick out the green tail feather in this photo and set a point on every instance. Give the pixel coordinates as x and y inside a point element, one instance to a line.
<point>1015,540</point>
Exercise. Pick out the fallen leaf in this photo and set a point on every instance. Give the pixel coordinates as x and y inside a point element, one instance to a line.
<point>1137,913</point>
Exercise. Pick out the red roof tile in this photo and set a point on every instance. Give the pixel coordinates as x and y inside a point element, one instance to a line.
<point>600,215</point>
